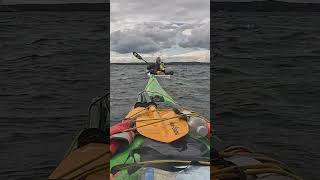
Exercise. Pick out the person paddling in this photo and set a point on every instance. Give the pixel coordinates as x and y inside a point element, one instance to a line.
<point>159,66</point>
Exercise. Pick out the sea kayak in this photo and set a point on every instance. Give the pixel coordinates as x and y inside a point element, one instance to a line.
<point>152,143</point>
<point>160,74</point>
<point>157,139</point>
<point>150,69</point>
<point>167,76</point>
<point>169,142</point>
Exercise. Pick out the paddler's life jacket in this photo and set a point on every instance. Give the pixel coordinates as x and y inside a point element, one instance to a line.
<point>156,67</point>
<point>153,68</point>
<point>162,67</point>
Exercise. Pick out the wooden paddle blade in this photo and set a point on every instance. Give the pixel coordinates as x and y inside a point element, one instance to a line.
<point>163,126</point>
<point>136,112</point>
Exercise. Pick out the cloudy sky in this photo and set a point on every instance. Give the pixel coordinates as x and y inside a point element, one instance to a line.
<point>166,28</point>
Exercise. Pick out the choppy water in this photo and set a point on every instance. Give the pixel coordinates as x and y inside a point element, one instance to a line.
<point>266,84</point>
<point>51,66</point>
<point>190,87</point>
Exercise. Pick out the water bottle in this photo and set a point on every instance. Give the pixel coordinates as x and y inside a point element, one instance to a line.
<point>197,126</point>
<point>151,173</point>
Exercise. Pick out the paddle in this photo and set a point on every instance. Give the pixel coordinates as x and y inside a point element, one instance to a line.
<point>164,126</point>
<point>139,57</point>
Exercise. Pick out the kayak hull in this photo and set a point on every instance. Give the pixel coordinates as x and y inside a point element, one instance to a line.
<point>162,76</point>
<point>167,74</point>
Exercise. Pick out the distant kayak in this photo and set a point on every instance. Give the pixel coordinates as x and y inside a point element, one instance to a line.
<point>157,69</point>
<point>161,75</point>
<point>150,70</point>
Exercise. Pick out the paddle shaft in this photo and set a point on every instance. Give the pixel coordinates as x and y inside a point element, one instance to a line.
<point>139,57</point>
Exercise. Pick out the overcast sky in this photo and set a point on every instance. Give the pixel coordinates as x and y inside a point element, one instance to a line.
<point>169,28</point>
<point>164,28</point>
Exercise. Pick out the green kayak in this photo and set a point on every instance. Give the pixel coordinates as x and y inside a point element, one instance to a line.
<point>154,89</point>
<point>150,154</point>
<point>159,140</point>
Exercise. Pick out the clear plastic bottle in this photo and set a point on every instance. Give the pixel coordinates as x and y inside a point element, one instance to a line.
<point>197,126</point>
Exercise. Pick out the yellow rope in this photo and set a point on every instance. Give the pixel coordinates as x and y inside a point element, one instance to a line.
<point>136,115</point>
<point>161,120</point>
<point>139,113</point>
<point>153,119</point>
<point>146,109</point>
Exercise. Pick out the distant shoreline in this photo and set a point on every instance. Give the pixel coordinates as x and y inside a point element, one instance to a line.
<point>168,63</point>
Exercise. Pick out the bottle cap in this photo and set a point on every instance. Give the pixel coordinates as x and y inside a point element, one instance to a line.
<point>185,112</point>
<point>202,131</point>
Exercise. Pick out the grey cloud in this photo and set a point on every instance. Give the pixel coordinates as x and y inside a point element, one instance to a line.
<point>123,42</point>
<point>155,25</point>
<point>165,10</point>
<point>152,37</point>
<point>199,37</point>
<point>145,38</point>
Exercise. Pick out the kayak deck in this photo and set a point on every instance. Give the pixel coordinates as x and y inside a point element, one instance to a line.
<point>143,158</point>
<point>161,142</point>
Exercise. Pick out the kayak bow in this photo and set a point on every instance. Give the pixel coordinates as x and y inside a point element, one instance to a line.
<point>161,138</point>
<point>154,89</point>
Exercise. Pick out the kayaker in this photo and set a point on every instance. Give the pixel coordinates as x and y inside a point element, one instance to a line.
<point>157,66</point>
